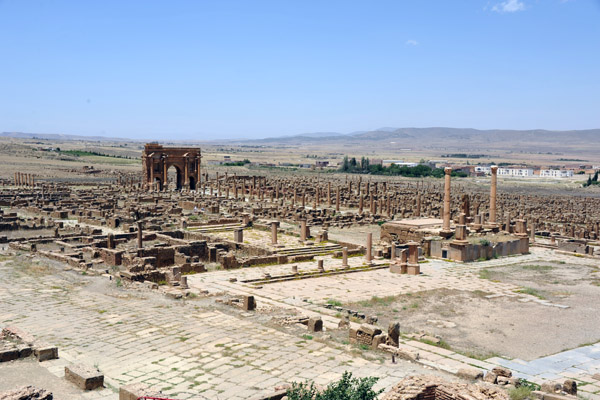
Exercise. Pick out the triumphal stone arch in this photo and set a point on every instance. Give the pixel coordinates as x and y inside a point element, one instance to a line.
<point>157,160</point>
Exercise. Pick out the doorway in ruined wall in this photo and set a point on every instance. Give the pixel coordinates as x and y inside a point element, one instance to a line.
<point>192,183</point>
<point>158,184</point>
<point>174,178</point>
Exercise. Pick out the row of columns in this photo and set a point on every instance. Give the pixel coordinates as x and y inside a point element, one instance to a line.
<point>22,179</point>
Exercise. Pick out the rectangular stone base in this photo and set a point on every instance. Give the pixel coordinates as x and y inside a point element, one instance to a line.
<point>44,353</point>
<point>83,377</point>
<point>413,270</point>
<point>395,269</point>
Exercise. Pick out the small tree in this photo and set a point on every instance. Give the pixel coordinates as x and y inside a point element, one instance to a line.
<point>347,388</point>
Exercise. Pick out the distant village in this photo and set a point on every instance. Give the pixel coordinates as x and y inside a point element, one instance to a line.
<point>565,171</point>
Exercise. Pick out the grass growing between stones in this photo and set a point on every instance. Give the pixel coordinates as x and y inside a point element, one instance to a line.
<point>540,268</point>
<point>377,301</point>
<point>531,292</point>
<point>520,393</point>
<point>334,302</point>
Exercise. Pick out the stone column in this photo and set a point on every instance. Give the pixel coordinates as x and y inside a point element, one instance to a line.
<point>303,235</point>
<point>165,175</point>
<point>413,259</point>
<point>110,241</point>
<point>186,176</point>
<point>493,195</point>
<point>369,255</point>
<point>274,226</point>
<point>337,199</point>
<point>139,235</point>
<point>393,252</point>
<point>446,226</point>
<point>345,257</point>
<point>320,266</point>
<point>238,235</point>
<point>404,261</point>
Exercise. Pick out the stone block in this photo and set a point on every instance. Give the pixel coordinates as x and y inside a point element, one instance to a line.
<point>249,303</point>
<point>490,377</point>
<point>501,371</point>
<point>470,373</point>
<point>24,351</point>
<point>413,270</point>
<point>44,353</point>
<point>551,387</point>
<point>136,390</point>
<point>84,377</point>
<point>315,324</point>
<point>570,387</point>
<point>378,339</point>
<point>9,354</point>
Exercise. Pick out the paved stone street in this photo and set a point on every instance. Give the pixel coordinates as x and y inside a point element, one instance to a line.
<point>188,350</point>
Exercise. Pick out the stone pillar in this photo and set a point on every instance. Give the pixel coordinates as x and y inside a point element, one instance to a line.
<point>532,232</point>
<point>274,226</point>
<point>165,176</point>
<point>329,194</point>
<point>446,226</point>
<point>186,176</point>
<point>110,241</point>
<point>238,235</point>
<point>337,199</point>
<point>369,255</point>
<point>413,259</point>
<point>404,261</point>
<point>303,230</point>
<point>493,195</point>
<point>139,235</point>
<point>393,252</point>
<point>320,266</point>
<point>345,257</point>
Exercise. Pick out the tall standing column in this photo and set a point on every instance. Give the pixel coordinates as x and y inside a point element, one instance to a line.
<point>274,226</point>
<point>139,235</point>
<point>493,195</point>
<point>165,181</point>
<point>369,248</point>
<point>446,226</point>
<point>186,174</point>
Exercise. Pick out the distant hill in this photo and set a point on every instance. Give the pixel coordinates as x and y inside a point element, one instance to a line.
<point>447,137</point>
<point>59,136</point>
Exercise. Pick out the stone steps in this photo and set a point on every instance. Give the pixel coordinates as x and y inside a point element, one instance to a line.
<point>316,250</point>
<point>215,228</point>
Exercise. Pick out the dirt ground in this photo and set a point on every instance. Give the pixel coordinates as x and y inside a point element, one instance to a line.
<point>484,327</point>
<point>29,372</point>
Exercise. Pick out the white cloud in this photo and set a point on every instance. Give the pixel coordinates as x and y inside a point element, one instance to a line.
<point>411,42</point>
<point>509,6</point>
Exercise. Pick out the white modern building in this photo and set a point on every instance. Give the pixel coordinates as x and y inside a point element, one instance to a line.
<point>555,173</point>
<point>522,172</point>
<point>483,169</point>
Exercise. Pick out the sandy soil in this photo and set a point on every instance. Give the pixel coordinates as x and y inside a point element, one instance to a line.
<point>473,324</point>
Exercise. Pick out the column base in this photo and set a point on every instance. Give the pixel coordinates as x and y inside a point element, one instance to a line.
<point>413,269</point>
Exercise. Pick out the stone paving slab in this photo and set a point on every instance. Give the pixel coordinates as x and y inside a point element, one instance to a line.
<point>185,349</point>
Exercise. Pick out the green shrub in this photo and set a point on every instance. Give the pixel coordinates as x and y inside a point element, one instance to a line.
<point>347,388</point>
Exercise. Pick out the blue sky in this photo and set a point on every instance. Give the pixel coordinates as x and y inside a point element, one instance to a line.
<point>232,69</point>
